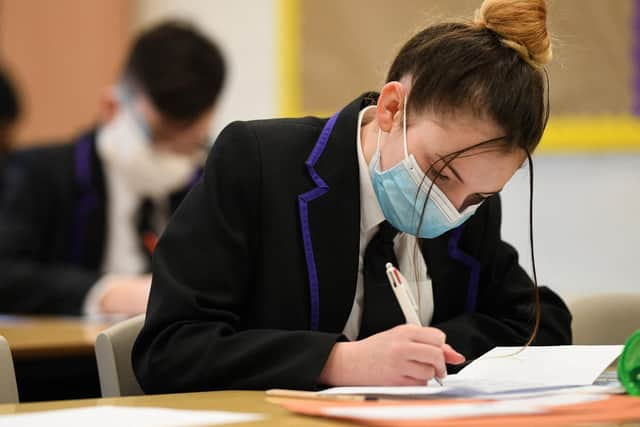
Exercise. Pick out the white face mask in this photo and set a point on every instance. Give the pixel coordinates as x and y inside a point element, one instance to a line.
<point>148,171</point>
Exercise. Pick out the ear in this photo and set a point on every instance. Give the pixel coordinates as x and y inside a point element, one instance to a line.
<point>109,104</point>
<point>390,105</point>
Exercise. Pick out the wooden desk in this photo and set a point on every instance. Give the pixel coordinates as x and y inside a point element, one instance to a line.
<point>38,337</point>
<point>238,401</point>
<point>53,356</point>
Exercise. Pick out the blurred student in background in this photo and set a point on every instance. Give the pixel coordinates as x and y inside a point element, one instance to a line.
<point>9,113</point>
<point>81,219</point>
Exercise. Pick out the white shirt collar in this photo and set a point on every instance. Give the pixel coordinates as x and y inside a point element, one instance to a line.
<point>370,213</point>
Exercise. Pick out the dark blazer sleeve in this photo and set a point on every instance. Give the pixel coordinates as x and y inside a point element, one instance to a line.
<point>197,335</point>
<point>505,304</point>
<point>30,282</point>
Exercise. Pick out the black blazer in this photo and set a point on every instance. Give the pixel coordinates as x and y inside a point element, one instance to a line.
<point>1,177</point>
<point>53,227</point>
<point>240,278</point>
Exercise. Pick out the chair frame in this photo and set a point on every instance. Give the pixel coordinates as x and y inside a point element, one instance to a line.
<point>8,384</point>
<point>113,354</point>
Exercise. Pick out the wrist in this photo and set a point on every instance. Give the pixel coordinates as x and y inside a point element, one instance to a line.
<point>338,369</point>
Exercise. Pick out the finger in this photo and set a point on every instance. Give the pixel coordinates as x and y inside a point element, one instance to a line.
<point>419,371</point>
<point>428,335</point>
<point>451,356</point>
<point>408,381</point>
<point>428,354</point>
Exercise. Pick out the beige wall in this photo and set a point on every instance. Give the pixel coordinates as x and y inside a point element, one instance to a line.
<point>64,52</point>
<point>347,47</point>
<point>61,53</point>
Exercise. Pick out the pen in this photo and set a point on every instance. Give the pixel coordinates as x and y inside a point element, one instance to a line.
<point>299,394</point>
<point>405,299</point>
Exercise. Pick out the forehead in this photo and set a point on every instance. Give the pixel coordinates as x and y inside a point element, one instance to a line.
<point>456,130</point>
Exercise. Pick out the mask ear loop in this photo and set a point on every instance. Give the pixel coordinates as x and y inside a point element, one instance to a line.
<point>404,127</point>
<point>125,96</point>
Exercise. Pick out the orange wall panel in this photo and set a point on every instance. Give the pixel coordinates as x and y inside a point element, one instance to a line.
<point>62,54</point>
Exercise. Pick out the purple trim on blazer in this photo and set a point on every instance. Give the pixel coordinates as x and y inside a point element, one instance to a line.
<point>473,265</point>
<point>196,177</point>
<point>303,200</point>
<point>636,57</point>
<point>87,201</point>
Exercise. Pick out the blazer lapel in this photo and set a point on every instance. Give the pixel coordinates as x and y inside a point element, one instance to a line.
<point>448,278</point>
<point>454,272</point>
<point>330,220</point>
<point>90,213</point>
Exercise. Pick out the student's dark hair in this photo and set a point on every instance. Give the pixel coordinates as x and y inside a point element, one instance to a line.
<point>9,102</point>
<point>179,68</point>
<point>10,107</point>
<point>492,67</point>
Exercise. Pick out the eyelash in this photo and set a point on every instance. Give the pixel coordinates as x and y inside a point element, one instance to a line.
<point>476,198</point>
<point>435,174</point>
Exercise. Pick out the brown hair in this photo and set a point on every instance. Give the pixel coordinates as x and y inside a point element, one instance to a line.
<point>492,67</point>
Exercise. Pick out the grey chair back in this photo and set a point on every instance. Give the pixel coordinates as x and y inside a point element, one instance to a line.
<point>8,386</point>
<point>113,354</point>
<point>604,318</point>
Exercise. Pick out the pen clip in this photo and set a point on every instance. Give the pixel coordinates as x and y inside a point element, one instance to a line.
<point>394,279</point>
<point>399,282</point>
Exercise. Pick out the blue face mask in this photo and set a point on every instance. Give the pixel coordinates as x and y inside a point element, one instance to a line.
<point>402,194</point>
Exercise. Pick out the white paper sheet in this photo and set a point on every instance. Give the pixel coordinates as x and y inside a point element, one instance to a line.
<point>453,387</point>
<point>415,391</point>
<point>471,390</point>
<point>110,416</point>
<point>543,366</point>
<point>534,370</point>
<point>602,390</point>
<point>426,412</point>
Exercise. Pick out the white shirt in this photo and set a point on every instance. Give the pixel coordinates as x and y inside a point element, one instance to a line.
<point>123,254</point>
<point>404,247</point>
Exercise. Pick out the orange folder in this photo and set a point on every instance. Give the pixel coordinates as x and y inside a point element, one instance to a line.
<point>614,409</point>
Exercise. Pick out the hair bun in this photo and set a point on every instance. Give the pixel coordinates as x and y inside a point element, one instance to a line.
<point>522,25</point>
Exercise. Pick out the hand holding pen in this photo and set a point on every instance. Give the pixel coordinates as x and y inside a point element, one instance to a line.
<point>406,355</point>
<point>410,309</point>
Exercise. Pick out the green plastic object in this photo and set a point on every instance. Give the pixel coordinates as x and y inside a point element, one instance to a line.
<point>629,365</point>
